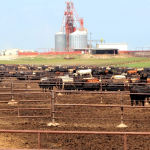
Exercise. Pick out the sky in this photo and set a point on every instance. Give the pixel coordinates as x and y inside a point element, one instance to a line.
<point>32,24</point>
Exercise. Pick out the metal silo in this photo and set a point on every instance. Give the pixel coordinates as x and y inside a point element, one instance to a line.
<point>60,42</point>
<point>78,39</point>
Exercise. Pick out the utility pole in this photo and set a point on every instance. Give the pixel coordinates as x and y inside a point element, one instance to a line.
<point>90,44</point>
<point>90,40</point>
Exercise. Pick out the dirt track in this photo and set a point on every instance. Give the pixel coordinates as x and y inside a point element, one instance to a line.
<point>76,119</point>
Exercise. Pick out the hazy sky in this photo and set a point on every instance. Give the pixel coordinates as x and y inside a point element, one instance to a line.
<point>31,24</point>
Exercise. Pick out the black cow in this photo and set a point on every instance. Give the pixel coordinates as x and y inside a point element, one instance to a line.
<point>139,97</point>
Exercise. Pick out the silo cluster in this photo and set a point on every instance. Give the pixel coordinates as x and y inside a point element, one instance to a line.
<point>77,40</point>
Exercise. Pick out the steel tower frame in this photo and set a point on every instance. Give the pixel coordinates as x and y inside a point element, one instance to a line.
<point>71,18</point>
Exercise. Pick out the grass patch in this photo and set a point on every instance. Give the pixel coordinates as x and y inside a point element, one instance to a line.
<point>137,65</point>
<point>90,60</point>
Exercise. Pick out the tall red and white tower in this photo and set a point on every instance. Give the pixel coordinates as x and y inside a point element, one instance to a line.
<point>71,21</point>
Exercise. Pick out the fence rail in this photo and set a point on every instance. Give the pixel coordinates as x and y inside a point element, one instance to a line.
<point>18,108</point>
<point>121,106</point>
<point>53,104</point>
<point>75,132</point>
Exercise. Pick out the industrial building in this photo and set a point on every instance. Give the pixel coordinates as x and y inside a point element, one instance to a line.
<point>104,51</point>
<point>14,52</point>
<point>97,50</point>
<point>74,38</point>
<point>119,46</point>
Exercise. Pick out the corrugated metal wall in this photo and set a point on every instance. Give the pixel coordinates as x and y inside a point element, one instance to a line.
<point>78,39</point>
<point>60,42</point>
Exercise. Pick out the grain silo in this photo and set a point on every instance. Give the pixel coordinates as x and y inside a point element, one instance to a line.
<point>60,42</point>
<point>78,39</point>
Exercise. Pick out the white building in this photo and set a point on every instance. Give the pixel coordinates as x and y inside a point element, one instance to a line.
<point>14,52</point>
<point>2,52</point>
<point>119,46</point>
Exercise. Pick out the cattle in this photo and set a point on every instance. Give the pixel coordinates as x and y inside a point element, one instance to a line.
<point>49,83</point>
<point>39,68</point>
<point>131,72</point>
<point>115,86</point>
<point>118,77</point>
<point>67,84</point>
<point>148,80</point>
<point>81,77</point>
<point>94,80</point>
<point>49,69</point>
<point>57,72</point>
<point>84,72</point>
<point>71,70</point>
<point>139,70</point>
<point>138,97</point>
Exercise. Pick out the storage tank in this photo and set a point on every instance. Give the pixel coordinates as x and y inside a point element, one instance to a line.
<point>78,39</point>
<point>60,42</point>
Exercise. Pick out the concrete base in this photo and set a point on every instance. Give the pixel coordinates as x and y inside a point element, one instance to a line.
<point>59,94</point>
<point>4,86</point>
<point>122,126</point>
<point>12,102</point>
<point>53,124</point>
<point>28,87</point>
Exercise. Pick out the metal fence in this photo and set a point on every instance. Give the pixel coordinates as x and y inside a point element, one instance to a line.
<point>53,103</point>
<point>52,114</point>
<point>11,84</point>
<point>121,106</point>
<point>17,108</point>
<point>75,132</point>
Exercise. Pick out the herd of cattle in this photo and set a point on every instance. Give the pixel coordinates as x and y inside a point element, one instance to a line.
<point>84,78</point>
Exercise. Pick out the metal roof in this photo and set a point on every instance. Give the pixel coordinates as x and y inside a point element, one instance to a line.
<point>112,43</point>
<point>95,49</point>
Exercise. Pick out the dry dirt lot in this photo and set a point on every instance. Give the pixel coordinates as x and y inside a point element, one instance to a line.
<point>74,118</point>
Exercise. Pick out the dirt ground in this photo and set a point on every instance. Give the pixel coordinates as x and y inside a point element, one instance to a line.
<point>73,118</point>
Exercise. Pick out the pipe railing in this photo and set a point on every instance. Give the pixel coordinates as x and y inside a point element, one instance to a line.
<point>121,106</point>
<point>13,83</point>
<point>19,108</point>
<point>53,103</point>
<point>125,134</point>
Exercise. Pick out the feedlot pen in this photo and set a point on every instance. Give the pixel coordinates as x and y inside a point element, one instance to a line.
<point>75,111</point>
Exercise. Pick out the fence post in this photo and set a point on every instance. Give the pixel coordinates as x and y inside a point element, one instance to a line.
<point>122,125</point>
<point>125,142</point>
<point>53,110</point>
<point>50,103</point>
<point>39,141</point>
<point>101,89</point>
<point>28,86</point>
<point>18,104</point>
<point>146,102</point>
<point>12,101</point>
<point>12,91</point>
<point>12,86</point>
